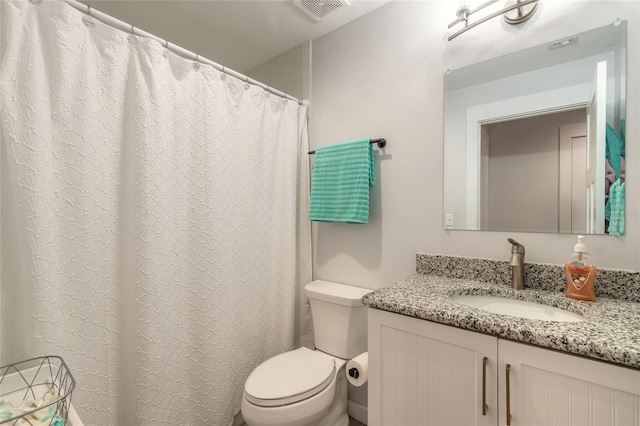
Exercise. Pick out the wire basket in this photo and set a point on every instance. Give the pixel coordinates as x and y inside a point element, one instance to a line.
<point>36,392</point>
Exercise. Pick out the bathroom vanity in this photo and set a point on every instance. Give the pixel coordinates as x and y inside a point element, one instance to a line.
<point>435,361</point>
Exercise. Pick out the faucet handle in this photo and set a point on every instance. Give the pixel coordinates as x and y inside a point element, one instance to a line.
<point>517,247</point>
<point>517,264</point>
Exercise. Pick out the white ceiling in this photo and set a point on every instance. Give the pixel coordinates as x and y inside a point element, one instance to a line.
<point>239,34</point>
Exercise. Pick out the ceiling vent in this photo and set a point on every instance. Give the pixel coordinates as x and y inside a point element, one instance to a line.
<point>318,9</point>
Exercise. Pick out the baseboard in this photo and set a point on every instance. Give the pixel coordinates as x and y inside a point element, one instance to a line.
<point>358,412</point>
<point>355,410</point>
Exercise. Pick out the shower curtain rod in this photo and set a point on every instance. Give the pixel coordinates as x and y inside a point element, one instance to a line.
<point>123,26</point>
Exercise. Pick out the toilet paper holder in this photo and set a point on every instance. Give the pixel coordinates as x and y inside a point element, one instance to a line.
<point>357,369</point>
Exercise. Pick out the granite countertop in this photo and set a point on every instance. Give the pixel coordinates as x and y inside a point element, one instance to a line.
<point>611,331</point>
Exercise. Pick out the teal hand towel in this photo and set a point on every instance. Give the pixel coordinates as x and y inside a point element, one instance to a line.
<point>613,149</point>
<point>342,174</point>
<point>616,199</point>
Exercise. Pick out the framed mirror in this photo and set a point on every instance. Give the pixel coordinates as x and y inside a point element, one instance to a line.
<point>534,140</point>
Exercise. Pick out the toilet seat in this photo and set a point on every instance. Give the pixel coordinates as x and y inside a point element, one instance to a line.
<point>289,378</point>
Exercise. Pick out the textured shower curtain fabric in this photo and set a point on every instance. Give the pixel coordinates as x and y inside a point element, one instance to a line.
<point>151,219</point>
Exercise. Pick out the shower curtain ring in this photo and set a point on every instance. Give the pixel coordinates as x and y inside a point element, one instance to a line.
<point>87,20</point>
<point>166,53</point>
<point>132,37</point>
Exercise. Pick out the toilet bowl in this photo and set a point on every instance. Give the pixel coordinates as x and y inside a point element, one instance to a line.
<point>308,387</point>
<point>301,387</point>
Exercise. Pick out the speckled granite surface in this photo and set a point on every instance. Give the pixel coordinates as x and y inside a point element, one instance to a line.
<point>611,331</point>
<point>613,283</point>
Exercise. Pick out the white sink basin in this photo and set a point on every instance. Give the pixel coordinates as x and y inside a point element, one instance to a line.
<point>518,308</point>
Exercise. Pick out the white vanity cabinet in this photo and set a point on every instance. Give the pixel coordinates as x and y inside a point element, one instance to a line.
<point>424,373</point>
<point>552,388</point>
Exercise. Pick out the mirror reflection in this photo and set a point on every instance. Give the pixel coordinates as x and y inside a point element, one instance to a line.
<point>534,140</point>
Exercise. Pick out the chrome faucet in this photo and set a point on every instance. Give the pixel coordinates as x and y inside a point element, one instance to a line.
<point>517,264</point>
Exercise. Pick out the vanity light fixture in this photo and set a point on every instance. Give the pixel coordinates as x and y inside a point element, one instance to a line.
<point>514,11</point>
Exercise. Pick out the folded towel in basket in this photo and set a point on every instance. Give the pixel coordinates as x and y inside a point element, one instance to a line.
<point>342,174</point>
<point>46,416</point>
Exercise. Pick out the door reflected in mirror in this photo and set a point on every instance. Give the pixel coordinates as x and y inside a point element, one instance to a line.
<point>534,140</point>
<point>522,162</point>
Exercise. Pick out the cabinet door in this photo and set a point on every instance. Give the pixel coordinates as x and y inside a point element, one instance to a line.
<point>553,388</point>
<point>423,373</point>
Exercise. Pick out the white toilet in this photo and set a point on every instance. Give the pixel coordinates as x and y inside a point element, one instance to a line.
<point>305,387</point>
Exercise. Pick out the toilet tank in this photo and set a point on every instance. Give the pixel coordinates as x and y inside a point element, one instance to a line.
<point>339,318</point>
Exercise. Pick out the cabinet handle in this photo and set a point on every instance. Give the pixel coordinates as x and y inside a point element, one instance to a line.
<point>508,396</point>
<point>484,385</point>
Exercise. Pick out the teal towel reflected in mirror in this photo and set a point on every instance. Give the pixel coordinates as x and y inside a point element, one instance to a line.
<point>342,174</point>
<point>615,154</point>
<point>616,204</point>
<point>614,149</point>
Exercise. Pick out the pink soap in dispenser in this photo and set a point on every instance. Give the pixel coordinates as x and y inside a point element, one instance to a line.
<point>581,274</point>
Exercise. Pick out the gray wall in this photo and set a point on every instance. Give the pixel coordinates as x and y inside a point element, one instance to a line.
<point>289,72</point>
<point>382,76</point>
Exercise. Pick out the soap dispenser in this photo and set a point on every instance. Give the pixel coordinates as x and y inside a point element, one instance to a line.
<point>581,274</point>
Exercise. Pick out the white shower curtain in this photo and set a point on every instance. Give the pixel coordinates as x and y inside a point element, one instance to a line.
<point>153,229</point>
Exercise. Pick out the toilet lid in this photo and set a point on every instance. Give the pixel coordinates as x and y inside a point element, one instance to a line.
<point>289,377</point>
